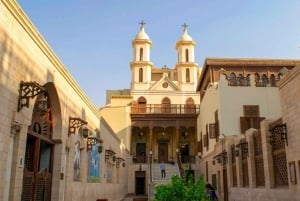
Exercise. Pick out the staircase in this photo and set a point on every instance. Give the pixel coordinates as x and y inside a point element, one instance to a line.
<point>171,170</point>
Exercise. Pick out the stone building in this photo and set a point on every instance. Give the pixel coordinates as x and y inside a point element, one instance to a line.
<point>47,151</point>
<point>242,143</point>
<point>233,120</point>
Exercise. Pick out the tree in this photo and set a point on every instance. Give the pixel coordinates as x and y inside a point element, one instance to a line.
<point>180,190</point>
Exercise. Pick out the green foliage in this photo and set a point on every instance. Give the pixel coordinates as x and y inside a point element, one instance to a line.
<point>180,190</point>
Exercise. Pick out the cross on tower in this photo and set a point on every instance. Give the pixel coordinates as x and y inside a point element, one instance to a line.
<point>184,26</point>
<point>142,23</point>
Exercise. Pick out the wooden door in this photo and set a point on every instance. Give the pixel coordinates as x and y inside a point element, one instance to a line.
<point>140,182</point>
<point>37,177</point>
<point>163,152</point>
<point>140,152</point>
<point>37,170</point>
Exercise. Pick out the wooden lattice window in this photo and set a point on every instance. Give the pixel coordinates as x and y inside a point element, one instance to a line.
<point>258,158</point>
<point>251,110</point>
<point>279,159</point>
<point>280,169</point>
<point>251,118</point>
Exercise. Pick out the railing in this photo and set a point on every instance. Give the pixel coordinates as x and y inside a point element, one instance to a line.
<point>165,109</point>
<point>181,170</point>
<point>239,81</point>
<point>245,82</point>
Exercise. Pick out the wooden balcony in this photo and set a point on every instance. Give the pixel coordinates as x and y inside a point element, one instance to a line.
<point>165,109</point>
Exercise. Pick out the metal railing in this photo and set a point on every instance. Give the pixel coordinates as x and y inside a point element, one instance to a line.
<point>166,109</point>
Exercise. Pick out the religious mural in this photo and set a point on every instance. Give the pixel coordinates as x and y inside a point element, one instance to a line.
<point>76,162</point>
<point>94,165</point>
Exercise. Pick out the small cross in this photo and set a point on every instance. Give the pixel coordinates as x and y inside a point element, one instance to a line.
<point>184,26</point>
<point>142,23</point>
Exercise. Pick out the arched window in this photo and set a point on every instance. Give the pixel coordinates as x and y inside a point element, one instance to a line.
<point>187,75</point>
<point>264,80</point>
<point>142,104</point>
<point>166,105</point>
<point>240,80</point>
<point>232,79</point>
<point>140,75</point>
<point>273,80</point>
<point>141,54</point>
<point>189,106</point>
<point>257,80</point>
<point>186,55</point>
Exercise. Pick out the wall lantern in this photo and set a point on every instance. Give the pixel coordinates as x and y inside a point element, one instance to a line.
<point>74,123</point>
<point>118,161</point>
<point>221,158</point>
<point>30,90</point>
<point>94,141</point>
<point>281,130</point>
<point>108,154</point>
<point>184,134</point>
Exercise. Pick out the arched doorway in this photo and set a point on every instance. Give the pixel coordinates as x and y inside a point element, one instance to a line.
<point>38,162</point>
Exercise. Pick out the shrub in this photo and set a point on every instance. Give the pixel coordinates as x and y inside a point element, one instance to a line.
<point>180,190</point>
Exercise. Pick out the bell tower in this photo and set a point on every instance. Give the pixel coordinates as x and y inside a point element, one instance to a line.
<point>141,65</point>
<point>186,67</point>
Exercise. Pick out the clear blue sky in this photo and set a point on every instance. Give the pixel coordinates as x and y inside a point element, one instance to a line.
<point>93,37</point>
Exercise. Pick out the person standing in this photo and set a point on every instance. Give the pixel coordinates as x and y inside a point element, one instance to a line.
<point>162,169</point>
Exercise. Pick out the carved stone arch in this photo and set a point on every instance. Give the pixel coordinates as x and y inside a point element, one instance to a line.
<point>232,79</point>
<point>272,80</point>
<point>55,107</point>
<point>265,80</point>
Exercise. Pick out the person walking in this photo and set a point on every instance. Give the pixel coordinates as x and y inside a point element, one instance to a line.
<point>211,194</point>
<point>162,169</point>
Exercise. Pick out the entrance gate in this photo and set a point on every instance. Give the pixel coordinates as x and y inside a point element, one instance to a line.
<point>38,159</point>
